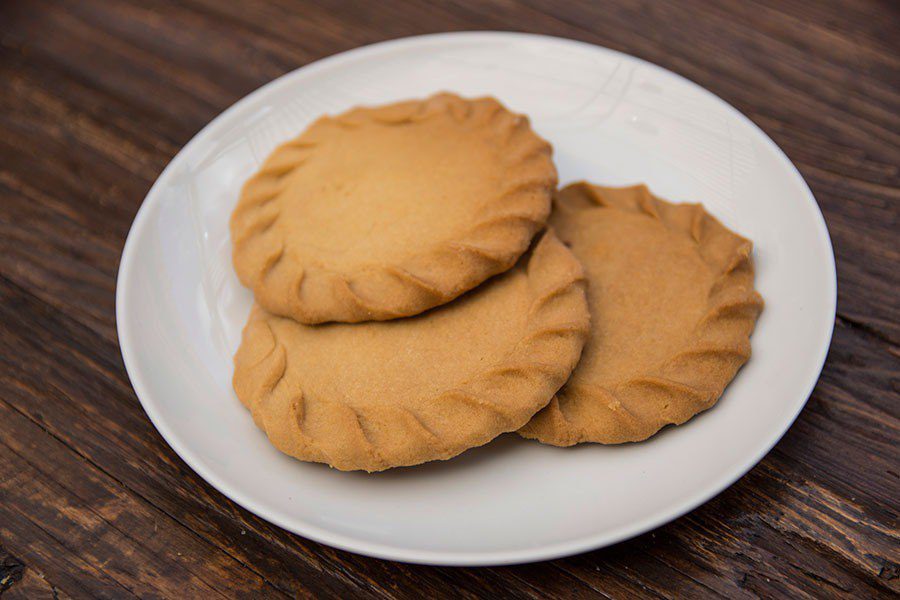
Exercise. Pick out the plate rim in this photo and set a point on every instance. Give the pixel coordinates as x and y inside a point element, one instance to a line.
<point>432,557</point>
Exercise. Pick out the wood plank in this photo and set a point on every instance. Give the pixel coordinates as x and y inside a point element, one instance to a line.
<point>33,586</point>
<point>27,495</point>
<point>104,507</point>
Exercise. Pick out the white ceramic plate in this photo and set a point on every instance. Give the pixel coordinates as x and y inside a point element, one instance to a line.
<point>612,119</point>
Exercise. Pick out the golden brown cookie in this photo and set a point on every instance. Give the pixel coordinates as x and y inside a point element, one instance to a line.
<point>383,394</point>
<point>671,295</point>
<point>385,212</point>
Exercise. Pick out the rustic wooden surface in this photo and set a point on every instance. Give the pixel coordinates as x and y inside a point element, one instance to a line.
<point>97,96</point>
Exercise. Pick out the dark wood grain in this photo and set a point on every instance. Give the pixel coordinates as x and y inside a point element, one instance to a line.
<point>98,96</point>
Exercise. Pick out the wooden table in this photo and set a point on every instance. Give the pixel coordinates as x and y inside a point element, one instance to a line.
<point>98,96</point>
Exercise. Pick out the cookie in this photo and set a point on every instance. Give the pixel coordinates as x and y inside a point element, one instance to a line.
<point>384,394</point>
<point>381,213</point>
<point>671,295</point>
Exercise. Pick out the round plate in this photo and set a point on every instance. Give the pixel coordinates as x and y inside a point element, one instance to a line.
<point>612,119</point>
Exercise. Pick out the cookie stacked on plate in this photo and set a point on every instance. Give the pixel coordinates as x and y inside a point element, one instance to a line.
<point>412,301</point>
